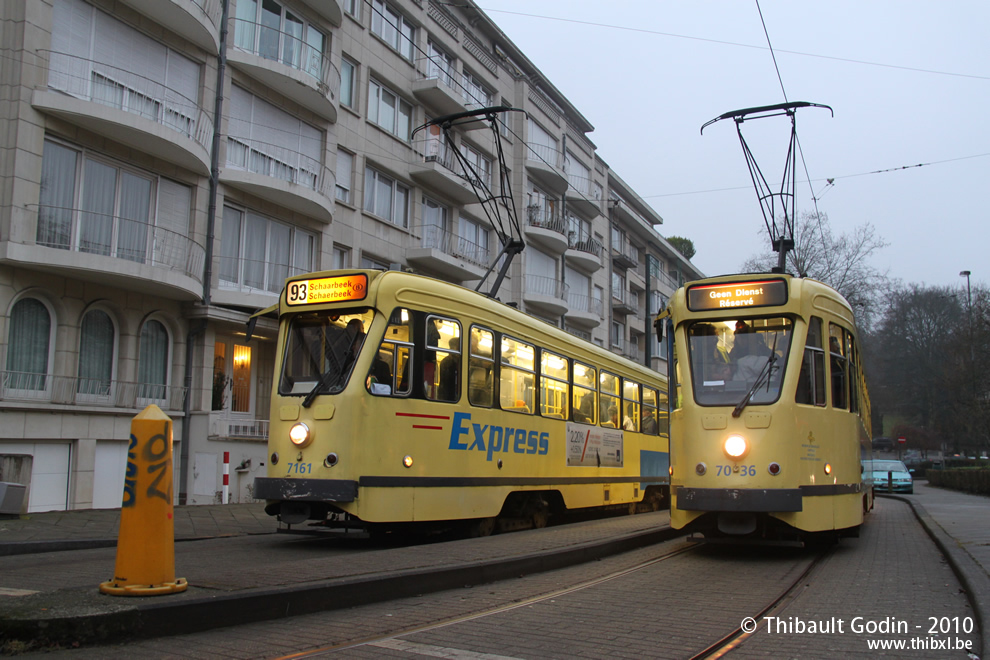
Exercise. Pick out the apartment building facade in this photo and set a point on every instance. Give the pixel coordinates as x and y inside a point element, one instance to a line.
<point>166,164</point>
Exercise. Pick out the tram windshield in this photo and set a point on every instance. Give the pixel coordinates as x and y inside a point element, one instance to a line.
<point>320,351</point>
<point>729,357</point>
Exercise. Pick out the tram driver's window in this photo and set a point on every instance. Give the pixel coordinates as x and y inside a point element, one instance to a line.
<point>442,366</point>
<point>811,380</point>
<point>389,373</point>
<point>481,365</point>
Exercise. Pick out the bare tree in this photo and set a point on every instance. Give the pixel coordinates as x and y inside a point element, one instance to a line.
<point>841,261</point>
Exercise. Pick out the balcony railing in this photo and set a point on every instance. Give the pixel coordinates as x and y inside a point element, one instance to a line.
<point>433,68</point>
<point>72,390</point>
<point>280,162</point>
<point>454,245</point>
<point>546,153</point>
<point>213,10</point>
<point>107,85</point>
<point>546,286</point>
<point>435,151</point>
<point>545,218</point>
<point>228,426</point>
<point>589,245</point>
<point>580,183</point>
<point>115,236</point>
<point>290,50</point>
<point>581,303</point>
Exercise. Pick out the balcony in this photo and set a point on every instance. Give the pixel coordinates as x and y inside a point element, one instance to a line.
<point>635,277</point>
<point>227,426</point>
<point>441,170</point>
<point>449,255</point>
<point>196,20</point>
<point>625,254</point>
<point>281,175</point>
<point>546,228</point>
<point>546,294</point>
<point>584,311</point>
<point>288,65</point>
<point>624,302</point>
<point>328,9</point>
<point>579,196</point>
<point>545,165</point>
<point>127,108</point>
<point>435,87</point>
<point>584,254</point>
<point>90,392</point>
<point>116,250</point>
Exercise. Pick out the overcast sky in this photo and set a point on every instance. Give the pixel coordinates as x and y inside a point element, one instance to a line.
<point>909,83</point>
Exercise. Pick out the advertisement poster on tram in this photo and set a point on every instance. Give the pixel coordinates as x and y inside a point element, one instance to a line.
<point>593,446</point>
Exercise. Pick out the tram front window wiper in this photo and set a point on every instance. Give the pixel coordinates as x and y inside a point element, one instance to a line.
<point>763,376</point>
<point>334,373</point>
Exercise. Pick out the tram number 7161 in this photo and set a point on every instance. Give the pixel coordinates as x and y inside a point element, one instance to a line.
<point>742,470</point>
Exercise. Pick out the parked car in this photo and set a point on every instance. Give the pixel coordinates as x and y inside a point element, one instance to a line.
<point>875,474</point>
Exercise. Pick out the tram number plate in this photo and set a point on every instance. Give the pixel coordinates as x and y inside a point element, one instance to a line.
<point>743,471</point>
<point>300,468</point>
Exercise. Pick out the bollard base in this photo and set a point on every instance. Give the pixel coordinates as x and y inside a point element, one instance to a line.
<point>112,589</point>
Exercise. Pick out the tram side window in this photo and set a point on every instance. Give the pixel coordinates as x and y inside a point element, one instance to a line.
<point>811,380</point>
<point>481,365</point>
<point>609,401</point>
<point>554,395</point>
<point>630,405</point>
<point>837,359</point>
<point>517,376</point>
<point>585,392</point>
<point>389,373</point>
<point>663,418</point>
<point>649,424</point>
<point>853,361</point>
<point>442,364</point>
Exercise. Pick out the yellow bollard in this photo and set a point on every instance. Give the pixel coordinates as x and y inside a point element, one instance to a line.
<point>146,539</point>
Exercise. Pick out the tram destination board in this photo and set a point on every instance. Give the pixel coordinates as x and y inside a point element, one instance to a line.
<point>319,290</point>
<point>757,293</point>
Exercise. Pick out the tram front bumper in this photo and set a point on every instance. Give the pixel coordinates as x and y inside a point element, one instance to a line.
<point>742,500</point>
<point>305,490</point>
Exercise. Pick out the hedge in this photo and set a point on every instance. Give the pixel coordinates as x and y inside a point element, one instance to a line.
<point>969,480</point>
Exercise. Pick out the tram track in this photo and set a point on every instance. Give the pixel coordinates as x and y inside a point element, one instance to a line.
<point>683,548</point>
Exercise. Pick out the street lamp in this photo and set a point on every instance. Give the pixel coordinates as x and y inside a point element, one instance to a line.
<point>969,311</point>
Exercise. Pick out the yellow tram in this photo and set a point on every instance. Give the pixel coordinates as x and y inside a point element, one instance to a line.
<point>770,413</point>
<point>399,398</point>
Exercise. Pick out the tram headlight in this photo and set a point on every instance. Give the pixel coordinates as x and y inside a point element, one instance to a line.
<point>300,435</point>
<point>407,461</point>
<point>735,447</point>
<point>828,468</point>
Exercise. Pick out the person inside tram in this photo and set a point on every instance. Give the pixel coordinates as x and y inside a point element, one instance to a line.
<point>613,417</point>
<point>649,424</point>
<point>629,421</point>
<point>449,370</point>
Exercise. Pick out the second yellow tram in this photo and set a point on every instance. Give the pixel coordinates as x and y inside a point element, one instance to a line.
<point>770,413</point>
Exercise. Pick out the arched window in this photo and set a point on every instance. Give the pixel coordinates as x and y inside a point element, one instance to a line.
<point>153,361</point>
<point>96,344</point>
<point>28,346</point>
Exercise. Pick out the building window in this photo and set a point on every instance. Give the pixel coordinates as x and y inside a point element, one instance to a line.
<point>353,8</point>
<point>578,175</point>
<point>153,361</point>
<point>266,140</point>
<point>617,333</point>
<point>271,31</point>
<point>259,253</point>
<point>618,286</point>
<point>348,78</point>
<point>387,110</point>
<point>542,145</point>
<point>475,92</point>
<point>345,169</point>
<point>97,339</point>
<point>100,207</point>
<point>393,28</point>
<point>386,198</point>
<point>439,65</point>
<point>341,257</point>
<point>480,165</point>
<point>28,346</point>
<point>371,263</point>
<point>473,240</point>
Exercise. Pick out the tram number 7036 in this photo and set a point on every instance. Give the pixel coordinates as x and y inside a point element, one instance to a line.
<point>742,470</point>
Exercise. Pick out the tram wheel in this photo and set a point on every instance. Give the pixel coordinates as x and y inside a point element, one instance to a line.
<point>482,527</point>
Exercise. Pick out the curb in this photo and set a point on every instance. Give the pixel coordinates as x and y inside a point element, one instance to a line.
<point>973,577</point>
<point>158,618</point>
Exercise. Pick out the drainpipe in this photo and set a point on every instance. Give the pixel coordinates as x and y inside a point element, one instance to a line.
<point>211,219</point>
